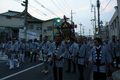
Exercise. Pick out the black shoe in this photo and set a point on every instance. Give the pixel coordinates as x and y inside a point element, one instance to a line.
<point>67,71</point>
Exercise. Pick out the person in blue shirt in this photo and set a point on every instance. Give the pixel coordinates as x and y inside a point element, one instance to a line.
<point>101,59</point>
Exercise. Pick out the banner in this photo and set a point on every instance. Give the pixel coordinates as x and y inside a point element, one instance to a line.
<point>29,35</point>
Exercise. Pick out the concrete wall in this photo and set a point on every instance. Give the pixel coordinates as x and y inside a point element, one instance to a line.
<point>114,26</point>
<point>11,22</point>
<point>35,25</point>
<point>47,33</point>
<point>118,2</point>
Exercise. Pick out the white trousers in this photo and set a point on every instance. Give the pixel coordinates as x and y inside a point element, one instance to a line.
<point>22,57</point>
<point>3,54</point>
<point>14,62</point>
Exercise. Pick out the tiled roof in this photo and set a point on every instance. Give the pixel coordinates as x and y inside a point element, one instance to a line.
<point>11,13</point>
<point>20,14</point>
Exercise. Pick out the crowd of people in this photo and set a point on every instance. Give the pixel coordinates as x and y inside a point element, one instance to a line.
<point>77,52</point>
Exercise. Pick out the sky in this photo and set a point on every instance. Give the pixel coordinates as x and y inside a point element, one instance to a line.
<point>49,9</point>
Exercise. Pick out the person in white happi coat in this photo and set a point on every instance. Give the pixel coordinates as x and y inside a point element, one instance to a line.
<point>22,51</point>
<point>57,51</point>
<point>106,44</point>
<point>72,50</point>
<point>14,55</point>
<point>3,49</point>
<point>80,56</point>
<point>45,46</point>
<point>28,48</point>
<point>87,50</point>
<point>8,51</point>
<point>34,47</point>
<point>114,50</point>
<point>101,59</point>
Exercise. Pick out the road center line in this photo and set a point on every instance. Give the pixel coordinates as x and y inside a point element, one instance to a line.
<point>20,72</point>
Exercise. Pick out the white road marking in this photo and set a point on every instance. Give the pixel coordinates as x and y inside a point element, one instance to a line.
<point>20,72</point>
<point>3,61</point>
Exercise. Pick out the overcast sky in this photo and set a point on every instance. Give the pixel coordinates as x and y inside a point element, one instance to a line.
<point>47,9</point>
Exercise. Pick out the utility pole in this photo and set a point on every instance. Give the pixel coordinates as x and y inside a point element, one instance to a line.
<point>71,17</point>
<point>89,32</point>
<point>98,6</point>
<point>95,19</point>
<point>80,28</point>
<point>72,23</point>
<point>83,30</point>
<point>25,16</point>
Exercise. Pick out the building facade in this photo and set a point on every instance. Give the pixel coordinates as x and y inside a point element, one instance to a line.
<point>12,21</point>
<point>118,3</point>
<point>114,26</point>
<point>48,28</point>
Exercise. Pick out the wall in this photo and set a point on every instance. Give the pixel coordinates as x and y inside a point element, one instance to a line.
<point>118,3</point>
<point>113,26</point>
<point>11,22</point>
<point>47,33</point>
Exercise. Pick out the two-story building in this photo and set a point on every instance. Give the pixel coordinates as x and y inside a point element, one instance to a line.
<point>12,21</point>
<point>114,26</point>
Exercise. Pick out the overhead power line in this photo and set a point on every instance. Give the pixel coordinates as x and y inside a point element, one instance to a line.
<point>30,6</point>
<point>45,7</point>
<point>57,6</point>
<point>37,9</point>
<point>63,5</point>
<point>105,7</point>
<point>19,1</point>
<point>103,2</point>
<point>67,4</point>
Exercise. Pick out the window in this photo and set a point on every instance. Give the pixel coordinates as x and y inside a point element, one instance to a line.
<point>38,27</point>
<point>31,27</point>
<point>49,28</point>
<point>45,31</point>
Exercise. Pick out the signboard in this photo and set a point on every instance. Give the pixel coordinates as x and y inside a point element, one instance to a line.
<point>57,23</point>
<point>29,35</point>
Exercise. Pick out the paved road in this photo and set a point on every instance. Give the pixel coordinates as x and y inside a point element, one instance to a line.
<point>32,71</point>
